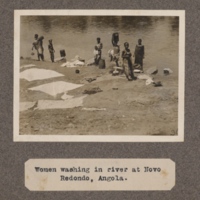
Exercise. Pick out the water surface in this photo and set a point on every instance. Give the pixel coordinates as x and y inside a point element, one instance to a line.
<point>77,35</point>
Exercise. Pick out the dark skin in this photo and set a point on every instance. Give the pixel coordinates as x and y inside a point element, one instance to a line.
<point>99,41</point>
<point>140,43</point>
<point>128,53</point>
<point>51,50</point>
<point>41,55</point>
<point>98,47</point>
<point>115,40</point>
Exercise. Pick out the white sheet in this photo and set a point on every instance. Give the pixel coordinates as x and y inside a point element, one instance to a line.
<point>60,104</point>
<point>26,105</point>
<point>73,64</point>
<point>55,88</point>
<point>39,74</point>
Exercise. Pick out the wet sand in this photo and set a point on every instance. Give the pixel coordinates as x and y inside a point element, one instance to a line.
<point>129,107</point>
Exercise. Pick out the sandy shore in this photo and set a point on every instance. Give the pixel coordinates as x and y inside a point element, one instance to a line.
<point>128,107</point>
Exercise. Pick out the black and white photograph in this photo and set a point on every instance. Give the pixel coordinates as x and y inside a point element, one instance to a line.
<point>99,75</point>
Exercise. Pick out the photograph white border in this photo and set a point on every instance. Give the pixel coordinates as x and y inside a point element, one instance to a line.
<point>99,138</point>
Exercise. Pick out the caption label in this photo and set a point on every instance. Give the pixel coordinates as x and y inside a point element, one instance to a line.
<point>99,174</point>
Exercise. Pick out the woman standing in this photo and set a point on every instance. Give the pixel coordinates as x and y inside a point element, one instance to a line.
<point>139,54</point>
<point>127,62</point>
<point>51,50</point>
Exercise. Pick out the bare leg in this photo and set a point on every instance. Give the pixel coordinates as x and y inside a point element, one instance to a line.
<point>42,57</point>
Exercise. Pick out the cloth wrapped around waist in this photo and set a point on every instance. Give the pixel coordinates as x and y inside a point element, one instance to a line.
<point>115,53</point>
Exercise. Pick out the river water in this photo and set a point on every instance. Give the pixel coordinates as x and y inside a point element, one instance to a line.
<point>77,35</point>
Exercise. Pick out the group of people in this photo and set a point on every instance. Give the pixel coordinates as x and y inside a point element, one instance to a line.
<point>114,53</point>
<point>38,46</point>
<point>126,54</point>
<point>127,61</point>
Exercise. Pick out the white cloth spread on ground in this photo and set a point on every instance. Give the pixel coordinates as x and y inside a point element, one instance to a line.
<point>60,104</point>
<point>65,96</point>
<point>149,81</point>
<point>75,63</point>
<point>26,105</point>
<point>39,74</point>
<point>148,78</point>
<point>55,88</point>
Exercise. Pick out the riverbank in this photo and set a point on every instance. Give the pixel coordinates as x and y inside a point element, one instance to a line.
<point>121,108</point>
